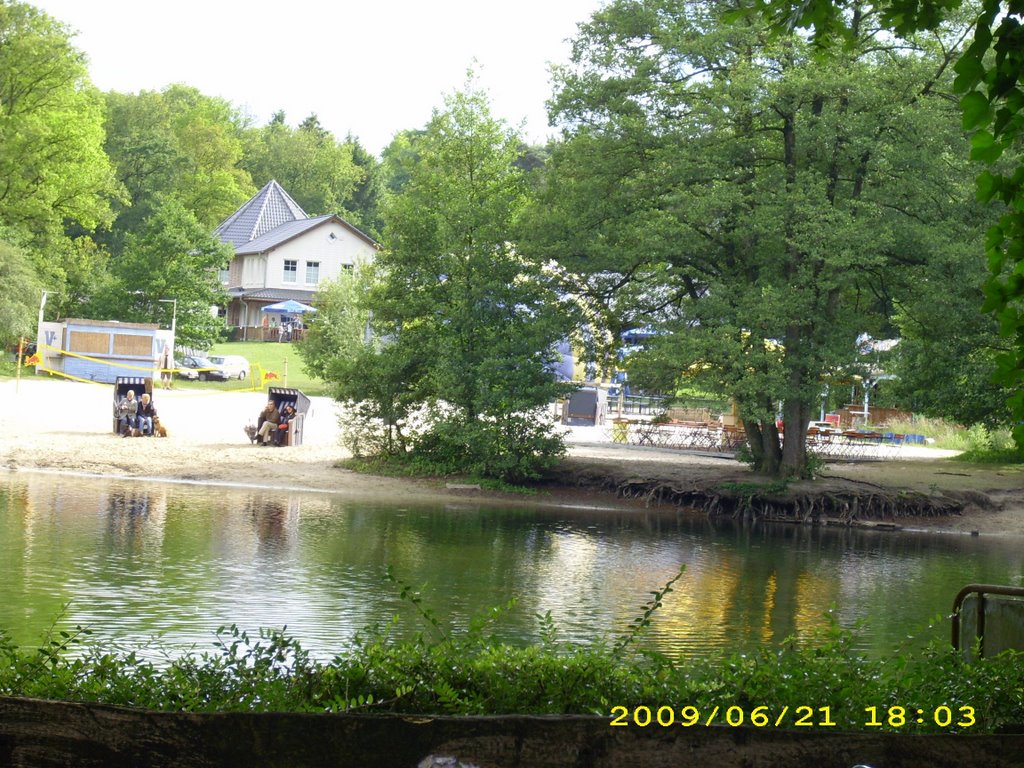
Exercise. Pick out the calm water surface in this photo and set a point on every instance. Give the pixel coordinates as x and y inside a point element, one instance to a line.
<point>161,566</point>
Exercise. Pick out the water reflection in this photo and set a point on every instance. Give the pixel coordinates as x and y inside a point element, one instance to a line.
<point>137,560</point>
<point>135,517</point>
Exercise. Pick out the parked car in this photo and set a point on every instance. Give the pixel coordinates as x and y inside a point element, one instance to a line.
<point>202,369</point>
<point>184,371</point>
<point>234,366</point>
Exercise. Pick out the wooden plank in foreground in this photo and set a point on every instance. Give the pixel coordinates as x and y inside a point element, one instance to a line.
<point>45,734</point>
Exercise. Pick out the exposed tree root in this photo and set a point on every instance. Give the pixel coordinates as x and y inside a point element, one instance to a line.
<point>833,501</point>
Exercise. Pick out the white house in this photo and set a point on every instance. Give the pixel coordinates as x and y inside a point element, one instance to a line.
<point>280,254</point>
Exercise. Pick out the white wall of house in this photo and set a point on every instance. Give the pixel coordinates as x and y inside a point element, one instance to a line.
<point>324,251</point>
<point>317,255</point>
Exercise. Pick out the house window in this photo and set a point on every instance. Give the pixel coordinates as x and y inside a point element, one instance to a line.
<point>312,272</point>
<point>224,275</point>
<point>291,270</point>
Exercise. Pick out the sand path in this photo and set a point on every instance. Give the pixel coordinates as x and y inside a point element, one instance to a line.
<point>59,426</point>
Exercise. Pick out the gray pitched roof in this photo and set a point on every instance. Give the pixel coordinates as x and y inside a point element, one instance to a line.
<point>293,229</point>
<point>280,234</point>
<point>268,209</point>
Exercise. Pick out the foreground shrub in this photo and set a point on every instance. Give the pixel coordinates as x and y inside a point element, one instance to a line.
<point>471,672</point>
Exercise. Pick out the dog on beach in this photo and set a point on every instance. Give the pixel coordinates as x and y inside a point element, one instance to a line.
<point>250,431</point>
<point>159,429</point>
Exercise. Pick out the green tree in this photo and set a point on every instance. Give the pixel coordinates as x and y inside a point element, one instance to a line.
<point>339,329</point>
<point>56,183</point>
<point>398,159</point>
<point>989,76</point>
<point>747,197</point>
<point>52,166</point>
<point>317,170</point>
<point>473,320</point>
<point>363,203</point>
<point>19,294</point>
<point>176,258</point>
<point>175,144</point>
<point>374,378</point>
<point>946,357</point>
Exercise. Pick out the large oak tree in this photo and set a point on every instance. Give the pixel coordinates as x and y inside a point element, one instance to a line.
<point>989,75</point>
<point>757,203</point>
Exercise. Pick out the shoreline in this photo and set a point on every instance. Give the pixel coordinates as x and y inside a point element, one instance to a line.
<point>65,428</point>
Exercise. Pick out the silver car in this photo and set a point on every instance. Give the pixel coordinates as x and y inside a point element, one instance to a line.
<point>233,366</point>
<point>194,367</point>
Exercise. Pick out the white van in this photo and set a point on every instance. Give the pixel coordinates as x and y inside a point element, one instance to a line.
<point>233,366</point>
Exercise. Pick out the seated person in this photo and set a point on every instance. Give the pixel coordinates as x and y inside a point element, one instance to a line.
<point>145,415</point>
<point>281,434</point>
<point>267,422</point>
<point>127,413</point>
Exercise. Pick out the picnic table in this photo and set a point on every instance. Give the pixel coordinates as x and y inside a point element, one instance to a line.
<point>854,443</point>
<point>704,436</point>
<point>683,435</point>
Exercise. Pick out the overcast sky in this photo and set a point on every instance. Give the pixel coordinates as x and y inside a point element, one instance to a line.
<point>368,68</point>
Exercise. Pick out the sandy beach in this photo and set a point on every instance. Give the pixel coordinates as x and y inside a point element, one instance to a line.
<point>60,426</point>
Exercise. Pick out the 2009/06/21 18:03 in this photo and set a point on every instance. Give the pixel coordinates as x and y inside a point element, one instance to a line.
<point>800,717</point>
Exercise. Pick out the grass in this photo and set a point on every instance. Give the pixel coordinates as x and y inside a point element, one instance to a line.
<point>1003,456</point>
<point>272,356</point>
<point>979,444</point>
<point>262,356</point>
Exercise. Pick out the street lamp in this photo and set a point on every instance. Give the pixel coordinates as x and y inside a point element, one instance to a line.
<point>174,312</point>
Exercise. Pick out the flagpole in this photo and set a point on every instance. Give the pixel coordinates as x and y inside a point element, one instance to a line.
<point>17,378</point>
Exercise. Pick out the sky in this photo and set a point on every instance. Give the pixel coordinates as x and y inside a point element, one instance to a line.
<point>371,68</point>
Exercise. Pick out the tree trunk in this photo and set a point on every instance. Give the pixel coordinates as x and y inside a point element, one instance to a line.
<point>796,410</point>
<point>796,414</point>
<point>764,446</point>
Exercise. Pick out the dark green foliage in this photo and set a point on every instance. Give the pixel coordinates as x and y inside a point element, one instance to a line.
<point>989,74</point>
<point>512,447</point>
<point>993,105</point>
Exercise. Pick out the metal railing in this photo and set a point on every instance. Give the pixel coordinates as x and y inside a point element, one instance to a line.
<point>981,590</point>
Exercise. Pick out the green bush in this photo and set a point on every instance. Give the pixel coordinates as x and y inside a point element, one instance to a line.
<point>514,448</point>
<point>977,440</point>
<point>827,681</point>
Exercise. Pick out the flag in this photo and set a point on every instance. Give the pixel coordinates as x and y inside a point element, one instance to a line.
<point>34,360</point>
<point>269,375</point>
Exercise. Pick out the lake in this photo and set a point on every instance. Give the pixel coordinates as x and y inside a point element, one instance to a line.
<point>160,566</point>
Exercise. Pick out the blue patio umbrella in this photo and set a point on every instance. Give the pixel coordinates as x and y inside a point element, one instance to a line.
<point>290,307</point>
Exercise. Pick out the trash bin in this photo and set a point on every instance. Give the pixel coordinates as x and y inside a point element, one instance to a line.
<point>620,430</point>
<point>283,396</point>
<point>122,384</point>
